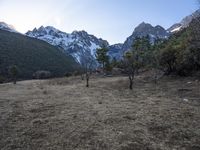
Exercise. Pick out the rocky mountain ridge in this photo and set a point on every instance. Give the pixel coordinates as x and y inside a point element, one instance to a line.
<point>79,44</point>
<point>184,22</point>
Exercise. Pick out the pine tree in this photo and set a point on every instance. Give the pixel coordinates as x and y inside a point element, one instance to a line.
<point>102,57</point>
<point>14,72</point>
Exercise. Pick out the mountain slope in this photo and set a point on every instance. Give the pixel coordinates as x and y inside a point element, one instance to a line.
<point>77,44</point>
<point>31,55</point>
<point>115,51</point>
<point>184,22</point>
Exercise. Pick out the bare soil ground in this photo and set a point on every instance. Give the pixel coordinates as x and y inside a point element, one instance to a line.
<point>61,114</point>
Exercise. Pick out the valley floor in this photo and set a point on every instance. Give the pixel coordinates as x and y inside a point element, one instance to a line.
<point>62,114</point>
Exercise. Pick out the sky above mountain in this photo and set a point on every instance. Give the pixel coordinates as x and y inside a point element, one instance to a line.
<point>113,20</point>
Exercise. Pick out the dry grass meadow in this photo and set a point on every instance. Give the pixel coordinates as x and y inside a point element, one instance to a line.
<point>62,114</point>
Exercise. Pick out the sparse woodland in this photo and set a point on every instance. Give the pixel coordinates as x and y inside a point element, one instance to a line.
<point>149,99</point>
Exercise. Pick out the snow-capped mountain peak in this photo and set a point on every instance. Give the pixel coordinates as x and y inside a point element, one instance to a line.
<point>79,44</point>
<point>7,27</point>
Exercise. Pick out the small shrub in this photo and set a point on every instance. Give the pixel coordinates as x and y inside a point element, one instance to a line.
<point>76,73</point>
<point>14,71</point>
<point>2,79</point>
<point>68,74</point>
<point>42,74</point>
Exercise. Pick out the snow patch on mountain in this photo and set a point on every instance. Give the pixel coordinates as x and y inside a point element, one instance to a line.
<point>176,29</point>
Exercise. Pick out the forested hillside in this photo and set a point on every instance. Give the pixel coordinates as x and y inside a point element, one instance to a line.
<point>31,55</point>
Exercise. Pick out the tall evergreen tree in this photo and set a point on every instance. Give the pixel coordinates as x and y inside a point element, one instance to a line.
<point>142,50</point>
<point>102,56</point>
<point>14,72</point>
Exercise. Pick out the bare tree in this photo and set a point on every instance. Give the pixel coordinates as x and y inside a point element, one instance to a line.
<point>87,63</point>
<point>130,67</point>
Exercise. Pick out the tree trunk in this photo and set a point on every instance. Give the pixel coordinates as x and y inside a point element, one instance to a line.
<point>14,80</point>
<point>156,80</point>
<point>87,80</point>
<point>82,76</point>
<point>103,68</point>
<point>131,85</point>
<point>130,82</point>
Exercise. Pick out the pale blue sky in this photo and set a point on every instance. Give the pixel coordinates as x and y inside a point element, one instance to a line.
<point>112,20</point>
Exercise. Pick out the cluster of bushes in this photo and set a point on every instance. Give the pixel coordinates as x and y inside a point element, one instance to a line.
<point>74,73</point>
<point>181,53</point>
<point>13,74</point>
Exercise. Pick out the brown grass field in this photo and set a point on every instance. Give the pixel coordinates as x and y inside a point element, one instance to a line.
<point>62,114</point>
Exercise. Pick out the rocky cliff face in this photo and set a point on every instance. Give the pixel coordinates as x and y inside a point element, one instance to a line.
<point>145,29</point>
<point>115,51</point>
